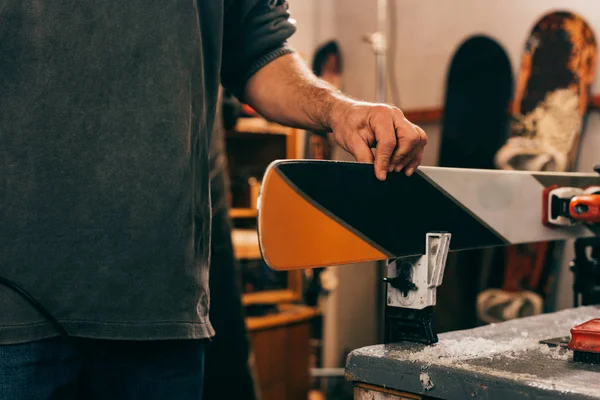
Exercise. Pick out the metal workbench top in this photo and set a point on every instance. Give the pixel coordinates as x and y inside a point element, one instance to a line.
<point>497,361</point>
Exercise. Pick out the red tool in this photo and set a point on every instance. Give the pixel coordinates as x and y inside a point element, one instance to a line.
<point>585,341</point>
<point>565,206</point>
<point>585,208</point>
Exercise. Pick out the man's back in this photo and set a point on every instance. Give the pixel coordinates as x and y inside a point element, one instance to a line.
<point>104,200</point>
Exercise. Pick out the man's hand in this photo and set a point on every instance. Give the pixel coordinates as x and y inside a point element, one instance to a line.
<point>286,91</point>
<point>359,127</point>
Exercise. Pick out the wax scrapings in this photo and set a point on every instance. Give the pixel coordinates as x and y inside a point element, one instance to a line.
<point>508,339</point>
<point>556,352</point>
<point>471,348</point>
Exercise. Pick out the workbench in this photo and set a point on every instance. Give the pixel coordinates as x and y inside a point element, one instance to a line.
<point>497,361</point>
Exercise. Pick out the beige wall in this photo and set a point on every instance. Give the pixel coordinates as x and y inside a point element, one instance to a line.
<point>429,31</point>
<point>315,23</point>
<point>427,34</point>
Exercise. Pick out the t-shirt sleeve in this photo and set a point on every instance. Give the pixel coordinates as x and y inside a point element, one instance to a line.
<point>255,33</point>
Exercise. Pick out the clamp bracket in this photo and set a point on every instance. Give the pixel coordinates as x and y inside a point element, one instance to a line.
<point>586,272</point>
<point>411,289</point>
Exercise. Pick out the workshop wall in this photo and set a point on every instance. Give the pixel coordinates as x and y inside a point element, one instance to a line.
<point>315,23</point>
<point>426,35</point>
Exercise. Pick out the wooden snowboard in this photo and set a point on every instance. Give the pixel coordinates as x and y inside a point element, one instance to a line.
<point>321,213</point>
<point>552,95</point>
<point>548,113</point>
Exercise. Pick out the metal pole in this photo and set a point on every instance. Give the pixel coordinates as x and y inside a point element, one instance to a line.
<point>377,41</point>
<point>380,47</point>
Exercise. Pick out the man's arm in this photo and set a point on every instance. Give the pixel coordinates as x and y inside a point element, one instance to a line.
<point>259,68</point>
<point>286,91</point>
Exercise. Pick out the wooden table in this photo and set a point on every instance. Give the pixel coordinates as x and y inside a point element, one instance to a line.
<point>501,361</point>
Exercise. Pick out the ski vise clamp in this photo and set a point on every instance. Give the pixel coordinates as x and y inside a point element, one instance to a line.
<point>411,287</point>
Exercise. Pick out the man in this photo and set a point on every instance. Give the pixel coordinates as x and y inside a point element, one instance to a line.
<point>107,109</point>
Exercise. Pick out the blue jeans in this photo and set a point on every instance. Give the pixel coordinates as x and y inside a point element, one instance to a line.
<point>102,369</point>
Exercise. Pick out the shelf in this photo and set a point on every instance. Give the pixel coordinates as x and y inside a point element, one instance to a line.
<point>260,125</point>
<point>252,144</point>
<point>245,244</point>
<point>433,115</point>
<point>270,297</point>
<point>424,115</point>
<point>243,213</point>
<point>287,315</point>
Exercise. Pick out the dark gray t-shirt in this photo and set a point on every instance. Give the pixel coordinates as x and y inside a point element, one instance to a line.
<point>107,108</point>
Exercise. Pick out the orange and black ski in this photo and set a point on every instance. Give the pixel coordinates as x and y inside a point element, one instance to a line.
<point>319,213</point>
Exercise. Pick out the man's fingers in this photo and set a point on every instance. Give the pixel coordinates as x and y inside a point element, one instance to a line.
<point>414,157</point>
<point>383,154</point>
<point>398,143</point>
<point>404,152</point>
<point>412,166</point>
<point>423,135</point>
<point>410,141</point>
<point>362,152</point>
<point>385,135</point>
